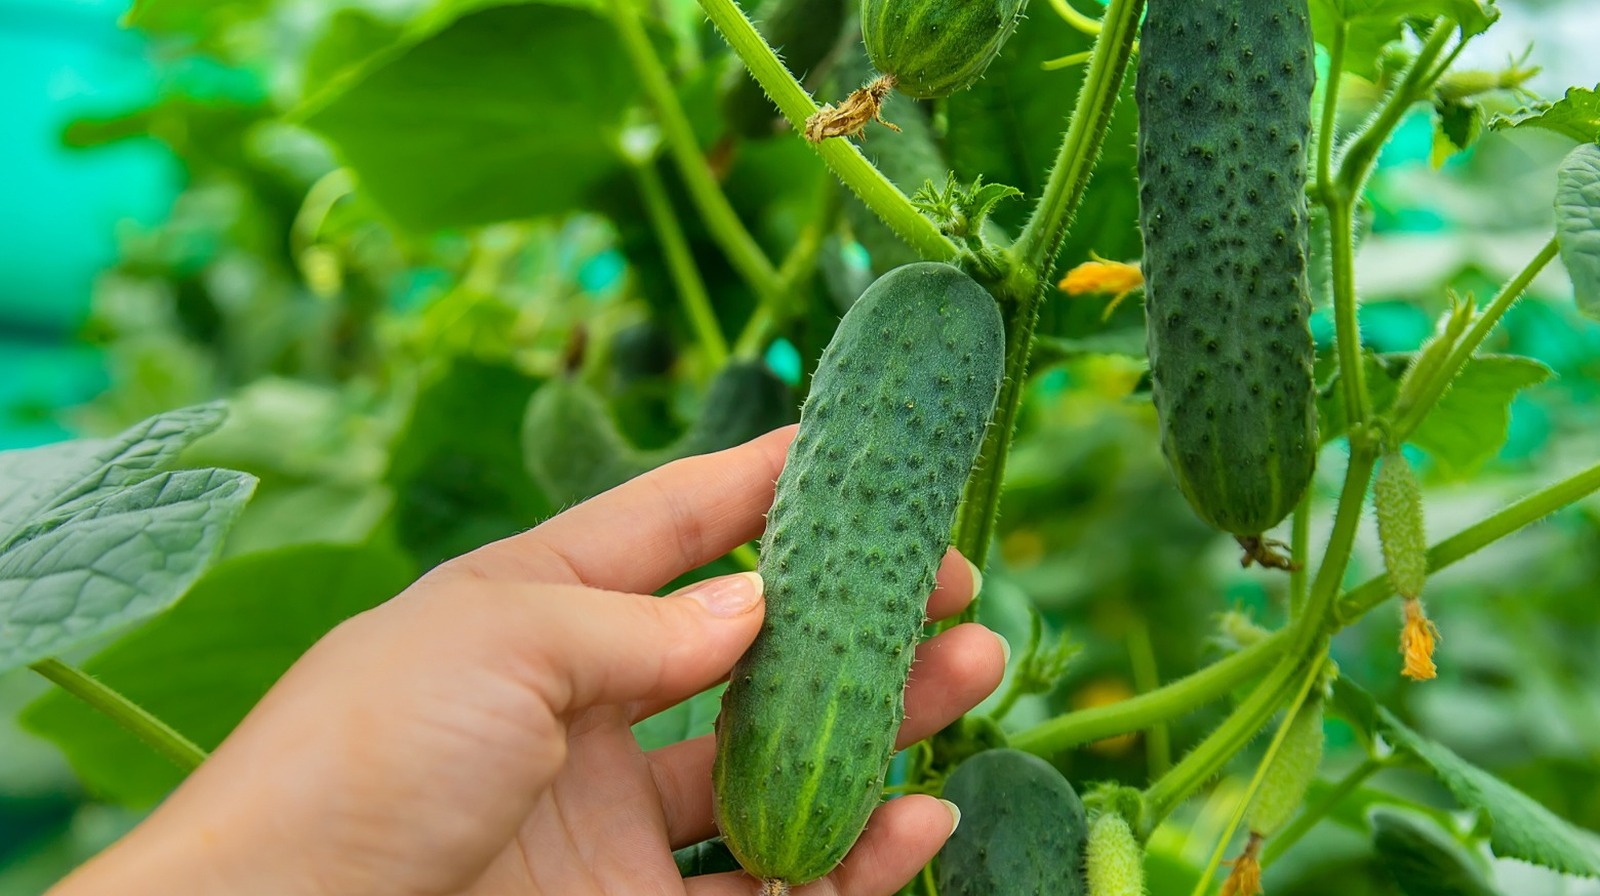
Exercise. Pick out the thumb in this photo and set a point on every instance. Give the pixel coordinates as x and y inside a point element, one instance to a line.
<point>608,647</point>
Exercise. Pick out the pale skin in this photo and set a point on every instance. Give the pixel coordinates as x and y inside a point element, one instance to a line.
<point>471,736</point>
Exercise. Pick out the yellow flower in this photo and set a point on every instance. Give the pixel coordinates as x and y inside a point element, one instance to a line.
<point>1102,276</point>
<point>1245,878</point>
<point>1417,640</point>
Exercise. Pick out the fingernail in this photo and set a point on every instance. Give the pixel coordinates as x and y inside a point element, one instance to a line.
<point>728,596</point>
<point>1005,646</point>
<point>955,815</point>
<point>977,577</point>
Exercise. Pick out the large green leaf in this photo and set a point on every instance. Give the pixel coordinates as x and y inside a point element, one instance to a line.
<point>93,538</point>
<point>1578,224</point>
<point>1520,828</point>
<point>507,112</point>
<point>1576,115</point>
<point>1422,859</point>
<point>1470,423</point>
<point>1371,24</point>
<point>201,667</point>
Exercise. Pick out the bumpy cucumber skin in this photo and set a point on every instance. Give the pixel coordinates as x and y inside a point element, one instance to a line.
<point>934,48</point>
<point>861,519</point>
<point>1289,776</point>
<point>1023,830</point>
<point>802,31</point>
<point>1397,500</point>
<point>1115,863</point>
<point>1224,93</point>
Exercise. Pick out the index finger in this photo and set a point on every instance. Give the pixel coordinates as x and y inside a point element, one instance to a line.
<point>647,532</point>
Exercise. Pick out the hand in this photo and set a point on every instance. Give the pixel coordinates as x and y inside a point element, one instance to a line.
<point>472,734</point>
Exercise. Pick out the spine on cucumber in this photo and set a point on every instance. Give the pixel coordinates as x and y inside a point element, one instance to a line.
<point>861,519</point>
<point>1224,93</point>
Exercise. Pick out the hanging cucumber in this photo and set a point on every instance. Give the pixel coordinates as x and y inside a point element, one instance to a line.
<point>933,48</point>
<point>861,519</point>
<point>1224,94</point>
<point>1023,831</point>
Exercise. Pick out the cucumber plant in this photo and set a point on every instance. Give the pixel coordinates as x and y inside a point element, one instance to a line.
<point>870,204</point>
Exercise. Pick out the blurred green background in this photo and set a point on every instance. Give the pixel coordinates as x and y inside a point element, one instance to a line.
<point>173,231</point>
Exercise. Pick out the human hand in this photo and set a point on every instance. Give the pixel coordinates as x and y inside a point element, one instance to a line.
<point>472,734</point>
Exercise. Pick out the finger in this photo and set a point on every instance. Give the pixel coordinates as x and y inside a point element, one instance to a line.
<point>953,672</point>
<point>664,523</point>
<point>955,588</point>
<point>901,837</point>
<point>957,584</point>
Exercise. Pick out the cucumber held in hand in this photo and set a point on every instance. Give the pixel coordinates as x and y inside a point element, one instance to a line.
<point>933,48</point>
<point>861,519</point>
<point>1224,93</point>
<point>1023,831</point>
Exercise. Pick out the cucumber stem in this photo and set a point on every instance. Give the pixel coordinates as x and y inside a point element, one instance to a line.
<point>680,264</point>
<point>135,719</point>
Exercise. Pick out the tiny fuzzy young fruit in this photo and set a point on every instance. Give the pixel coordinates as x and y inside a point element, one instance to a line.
<point>1397,499</point>
<point>1294,766</point>
<point>851,117</point>
<point>1115,863</point>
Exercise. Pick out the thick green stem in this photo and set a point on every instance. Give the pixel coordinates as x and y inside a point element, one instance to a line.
<point>1137,713</point>
<point>1347,322</point>
<point>1080,146</point>
<point>1299,554</point>
<point>1536,506</point>
<point>1330,110</point>
<point>1410,413</point>
<point>730,233</point>
<point>680,265</point>
<point>1212,753</point>
<point>842,156</point>
<point>132,717</point>
<point>1362,152</point>
<point>1147,678</point>
<point>1312,623</point>
<point>1314,813</point>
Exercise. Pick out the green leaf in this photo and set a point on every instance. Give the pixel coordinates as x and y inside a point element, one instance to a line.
<point>689,719</point>
<point>1470,423</point>
<point>113,562</point>
<point>1127,342</point>
<point>1457,125</point>
<point>93,538</point>
<point>1422,859</point>
<point>1383,374</point>
<point>1371,24</point>
<point>504,113</point>
<point>1576,115</point>
<point>201,667</point>
<point>1578,224</point>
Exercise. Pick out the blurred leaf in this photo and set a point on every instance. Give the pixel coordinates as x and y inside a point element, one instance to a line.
<point>1370,24</point>
<point>1470,423</point>
<point>1576,115</point>
<point>1578,224</point>
<point>1383,374</point>
<point>1457,125</point>
<point>689,719</point>
<point>1520,828</point>
<point>1127,342</point>
<point>93,539</point>
<point>505,113</point>
<point>201,667</point>
<point>1424,860</point>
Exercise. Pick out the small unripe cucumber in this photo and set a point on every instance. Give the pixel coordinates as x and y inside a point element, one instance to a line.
<point>1115,863</point>
<point>1397,501</point>
<point>861,519</point>
<point>1022,833</point>
<point>933,48</point>
<point>1293,769</point>
<point>1224,93</point>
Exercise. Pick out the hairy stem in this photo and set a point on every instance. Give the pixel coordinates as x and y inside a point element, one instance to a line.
<point>842,156</point>
<point>1137,713</point>
<point>730,233</point>
<point>184,753</point>
<point>1542,503</point>
<point>1410,415</point>
<point>1312,623</point>
<point>680,265</point>
<point>1362,152</point>
<point>1147,678</point>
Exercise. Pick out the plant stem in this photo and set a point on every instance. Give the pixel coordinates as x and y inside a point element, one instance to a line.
<point>680,264</point>
<point>1136,713</point>
<point>1313,814</point>
<point>730,233</point>
<point>1293,707</point>
<point>1347,321</point>
<point>842,156</point>
<point>793,276</point>
<point>1362,152</point>
<point>1211,754</point>
<point>138,721</point>
<point>1409,416</point>
<point>1534,507</point>
<point>1147,678</point>
<point>1311,623</point>
<point>1024,288</point>
<point>1080,146</point>
<point>1330,109</point>
<point>1299,553</point>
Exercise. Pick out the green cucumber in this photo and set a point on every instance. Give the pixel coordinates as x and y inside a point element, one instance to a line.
<point>803,32</point>
<point>933,48</point>
<point>1023,831</point>
<point>861,519</point>
<point>1115,861</point>
<point>1224,94</point>
<point>574,450</point>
